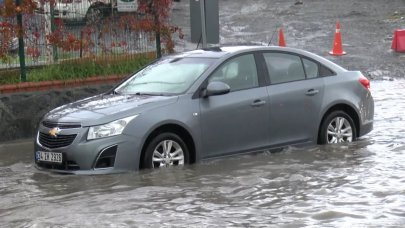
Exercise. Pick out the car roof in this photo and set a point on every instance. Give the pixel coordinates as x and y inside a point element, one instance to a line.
<point>215,52</point>
<point>222,51</point>
<point>218,52</point>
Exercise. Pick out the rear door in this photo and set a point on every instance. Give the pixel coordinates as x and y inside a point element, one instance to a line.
<point>295,97</point>
<point>236,121</point>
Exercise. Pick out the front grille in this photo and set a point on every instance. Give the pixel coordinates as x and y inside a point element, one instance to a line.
<point>49,124</point>
<point>55,142</point>
<point>69,165</point>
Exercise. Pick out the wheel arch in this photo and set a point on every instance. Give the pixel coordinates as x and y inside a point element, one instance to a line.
<point>348,109</point>
<point>98,4</point>
<point>177,129</point>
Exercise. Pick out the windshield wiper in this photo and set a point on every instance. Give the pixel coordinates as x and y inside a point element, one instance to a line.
<point>156,82</point>
<point>146,94</point>
<point>115,92</point>
<point>151,94</point>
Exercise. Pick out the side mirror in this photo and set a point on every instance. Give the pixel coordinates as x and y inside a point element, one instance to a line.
<point>216,88</point>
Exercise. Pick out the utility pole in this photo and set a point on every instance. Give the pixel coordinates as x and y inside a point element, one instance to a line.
<point>203,24</point>
<point>53,28</point>
<point>157,35</point>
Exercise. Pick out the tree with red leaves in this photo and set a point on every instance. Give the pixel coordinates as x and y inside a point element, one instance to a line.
<point>156,20</point>
<point>153,20</point>
<point>8,27</point>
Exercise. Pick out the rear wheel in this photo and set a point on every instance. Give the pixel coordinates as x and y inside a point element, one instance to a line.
<point>337,127</point>
<point>166,149</point>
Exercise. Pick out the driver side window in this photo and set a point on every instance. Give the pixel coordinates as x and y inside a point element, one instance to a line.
<point>239,73</point>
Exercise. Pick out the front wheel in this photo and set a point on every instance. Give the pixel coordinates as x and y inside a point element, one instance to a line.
<point>337,127</point>
<point>94,14</point>
<point>166,149</point>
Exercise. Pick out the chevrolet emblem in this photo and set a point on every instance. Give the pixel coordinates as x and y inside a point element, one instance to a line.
<point>54,132</point>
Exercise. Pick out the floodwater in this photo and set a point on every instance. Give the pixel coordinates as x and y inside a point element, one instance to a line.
<point>361,184</point>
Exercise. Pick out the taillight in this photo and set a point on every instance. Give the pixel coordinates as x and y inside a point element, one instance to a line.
<point>364,81</point>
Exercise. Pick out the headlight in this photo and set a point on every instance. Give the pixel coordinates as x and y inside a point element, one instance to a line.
<point>110,129</point>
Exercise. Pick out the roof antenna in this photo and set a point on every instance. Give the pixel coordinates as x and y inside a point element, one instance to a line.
<point>272,36</point>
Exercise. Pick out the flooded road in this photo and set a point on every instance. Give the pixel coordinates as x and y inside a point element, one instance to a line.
<point>361,185</point>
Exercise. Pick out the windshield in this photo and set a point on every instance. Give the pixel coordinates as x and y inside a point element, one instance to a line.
<point>165,77</point>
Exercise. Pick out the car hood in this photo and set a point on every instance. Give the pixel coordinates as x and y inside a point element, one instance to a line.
<point>102,109</point>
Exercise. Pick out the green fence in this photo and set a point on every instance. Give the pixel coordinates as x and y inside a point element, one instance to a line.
<point>75,30</point>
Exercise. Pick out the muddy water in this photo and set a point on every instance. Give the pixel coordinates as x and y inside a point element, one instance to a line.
<point>361,185</point>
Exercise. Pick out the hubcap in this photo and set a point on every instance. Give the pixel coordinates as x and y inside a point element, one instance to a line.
<point>167,153</point>
<point>94,14</point>
<point>339,130</point>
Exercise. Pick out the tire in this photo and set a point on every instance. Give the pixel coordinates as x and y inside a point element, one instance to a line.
<point>94,14</point>
<point>166,149</point>
<point>337,127</point>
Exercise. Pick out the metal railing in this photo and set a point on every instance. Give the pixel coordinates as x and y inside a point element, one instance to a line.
<point>75,29</point>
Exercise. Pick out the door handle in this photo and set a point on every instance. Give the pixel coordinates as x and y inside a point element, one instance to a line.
<point>258,103</point>
<point>312,92</point>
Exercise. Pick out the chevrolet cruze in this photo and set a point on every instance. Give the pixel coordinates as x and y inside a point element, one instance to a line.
<point>207,103</point>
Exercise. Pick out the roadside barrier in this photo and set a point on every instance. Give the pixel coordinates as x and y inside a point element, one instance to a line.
<point>337,43</point>
<point>398,41</point>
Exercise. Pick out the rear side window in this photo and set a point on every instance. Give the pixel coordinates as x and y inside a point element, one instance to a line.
<point>324,71</point>
<point>284,67</point>
<point>311,68</point>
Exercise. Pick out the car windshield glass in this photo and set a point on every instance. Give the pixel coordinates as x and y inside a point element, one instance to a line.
<point>165,77</point>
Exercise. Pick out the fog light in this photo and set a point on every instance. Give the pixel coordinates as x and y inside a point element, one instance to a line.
<point>106,158</point>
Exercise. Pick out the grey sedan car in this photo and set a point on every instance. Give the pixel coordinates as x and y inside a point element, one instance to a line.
<point>207,103</point>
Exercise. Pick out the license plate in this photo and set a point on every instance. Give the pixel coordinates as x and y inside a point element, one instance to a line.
<point>48,157</point>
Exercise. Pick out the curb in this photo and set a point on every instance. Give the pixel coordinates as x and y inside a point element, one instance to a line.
<point>56,84</point>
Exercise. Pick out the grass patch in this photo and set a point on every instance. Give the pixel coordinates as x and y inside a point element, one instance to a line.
<point>80,68</point>
<point>10,76</point>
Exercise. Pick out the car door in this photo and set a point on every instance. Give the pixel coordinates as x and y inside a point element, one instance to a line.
<point>295,97</point>
<point>236,121</point>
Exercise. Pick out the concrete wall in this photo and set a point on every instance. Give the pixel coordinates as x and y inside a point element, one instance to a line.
<point>21,112</point>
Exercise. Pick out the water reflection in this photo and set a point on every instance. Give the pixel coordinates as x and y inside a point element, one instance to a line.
<point>359,184</point>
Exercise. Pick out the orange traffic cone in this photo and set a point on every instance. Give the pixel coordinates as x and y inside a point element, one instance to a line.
<point>337,43</point>
<point>398,41</point>
<point>281,41</point>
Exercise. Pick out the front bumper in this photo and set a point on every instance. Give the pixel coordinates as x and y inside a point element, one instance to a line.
<point>64,13</point>
<point>367,114</point>
<point>82,172</point>
<point>114,154</point>
<point>366,128</point>
<point>68,15</point>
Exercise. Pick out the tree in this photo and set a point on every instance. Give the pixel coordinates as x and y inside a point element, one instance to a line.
<point>156,20</point>
<point>153,20</point>
<point>8,27</point>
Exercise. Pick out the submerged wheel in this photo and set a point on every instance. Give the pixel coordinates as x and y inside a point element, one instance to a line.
<point>338,127</point>
<point>166,149</point>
